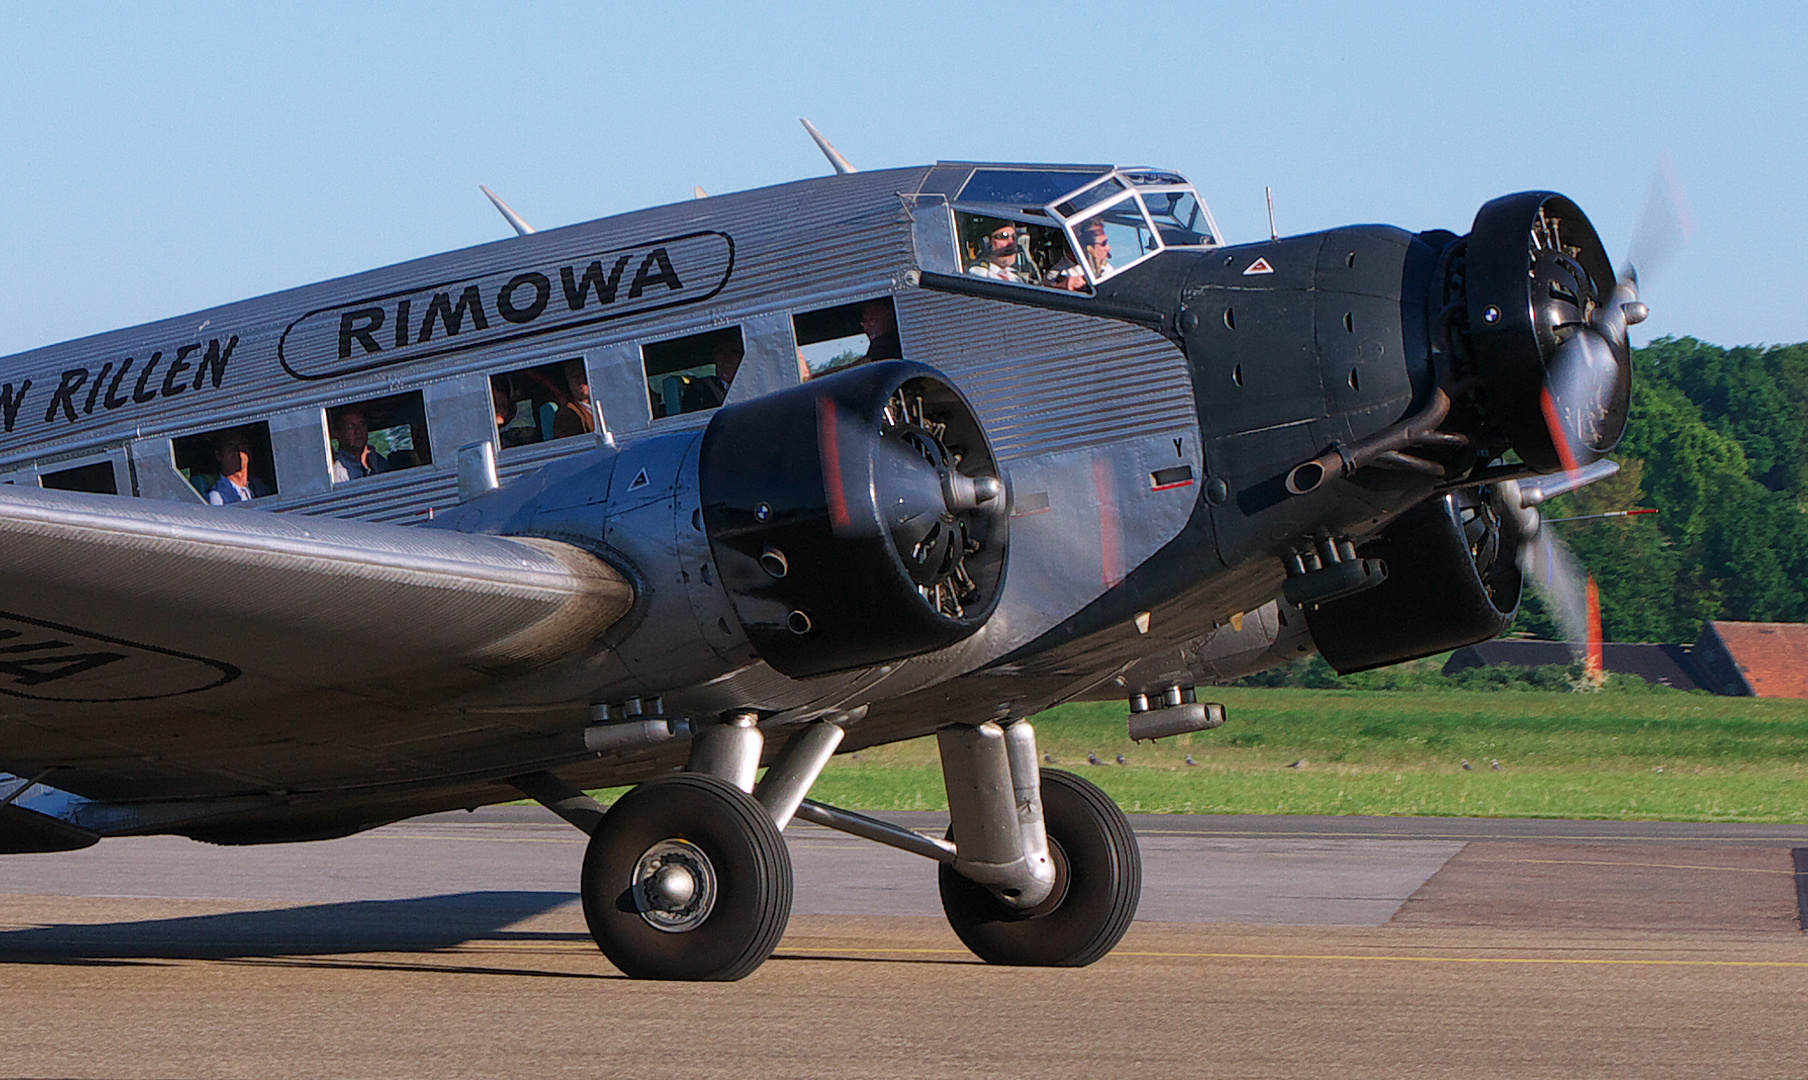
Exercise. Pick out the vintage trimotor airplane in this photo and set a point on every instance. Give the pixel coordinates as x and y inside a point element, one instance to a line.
<point>755,479</point>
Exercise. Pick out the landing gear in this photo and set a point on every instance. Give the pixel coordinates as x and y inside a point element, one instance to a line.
<point>687,877</point>
<point>1098,881</point>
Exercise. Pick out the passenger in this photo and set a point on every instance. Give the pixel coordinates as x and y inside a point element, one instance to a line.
<point>712,390</point>
<point>575,416</point>
<point>1000,255</point>
<point>233,451</point>
<point>353,457</point>
<point>879,322</point>
<point>502,401</point>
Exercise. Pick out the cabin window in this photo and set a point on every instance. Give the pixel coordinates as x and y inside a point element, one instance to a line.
<point>97,478</point>
<point>380,435</point>
<point>839,337</point>
<point>690,374</point>
<point>1020,252</point>
<point>540,404</point>
<point>229,465</point>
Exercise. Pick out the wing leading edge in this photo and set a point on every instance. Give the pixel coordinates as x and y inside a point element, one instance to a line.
<point>110,600</point>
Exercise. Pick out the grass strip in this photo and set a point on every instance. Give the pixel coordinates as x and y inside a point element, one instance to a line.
<point>1678,757</point>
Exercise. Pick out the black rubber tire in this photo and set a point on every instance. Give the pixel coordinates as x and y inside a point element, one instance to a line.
<point>1099,880</point>
<point>753,875</point>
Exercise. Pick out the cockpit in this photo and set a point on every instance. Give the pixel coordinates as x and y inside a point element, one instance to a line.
<point>1071,227</point>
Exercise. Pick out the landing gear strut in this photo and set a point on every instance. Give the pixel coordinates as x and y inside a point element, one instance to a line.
<point>1098,881</point>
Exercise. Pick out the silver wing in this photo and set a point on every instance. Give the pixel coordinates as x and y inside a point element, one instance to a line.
<point>158,650</point>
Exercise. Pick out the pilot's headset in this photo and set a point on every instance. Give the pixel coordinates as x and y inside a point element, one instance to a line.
<point>979,237</point>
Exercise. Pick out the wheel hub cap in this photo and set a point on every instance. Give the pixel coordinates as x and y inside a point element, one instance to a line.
<point>674,886</point>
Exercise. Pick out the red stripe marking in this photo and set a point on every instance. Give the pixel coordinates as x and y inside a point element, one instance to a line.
<point>1111,535</point>
<point>831,464</point>
<point>1170,487</point>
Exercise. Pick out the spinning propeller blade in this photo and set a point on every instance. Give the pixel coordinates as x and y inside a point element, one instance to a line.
<point>1547,563</point>
<point>1588,377</point>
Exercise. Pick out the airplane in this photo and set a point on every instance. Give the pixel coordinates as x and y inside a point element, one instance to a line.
<point>750,480</point>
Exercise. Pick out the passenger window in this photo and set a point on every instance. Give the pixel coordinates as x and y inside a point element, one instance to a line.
<point>839,337</point>
<point>690,374</point>
<point>1021,252</point>
<point>229,465</point>
<point>378,436</point>
<point>539,404</point>
<point>97,478</point>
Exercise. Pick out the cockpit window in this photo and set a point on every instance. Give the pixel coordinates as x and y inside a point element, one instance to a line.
<point>1179,218</point>
<point>1024,187</point>
<point>1021,252</point>
<point>1090,198</point>
<point>1115,238</point>
<point>1073,227</point>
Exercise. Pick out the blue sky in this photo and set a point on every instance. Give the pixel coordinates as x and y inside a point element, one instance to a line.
<point>157,159</point>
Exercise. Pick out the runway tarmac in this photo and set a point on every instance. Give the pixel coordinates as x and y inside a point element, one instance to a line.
<point>1297,947</point>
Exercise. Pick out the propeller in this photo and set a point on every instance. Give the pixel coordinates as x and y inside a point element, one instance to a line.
<point>1547,563</point>
<point>1588,380</point>
<point>1549,321</point>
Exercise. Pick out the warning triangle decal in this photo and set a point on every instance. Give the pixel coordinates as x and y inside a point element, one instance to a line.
<point>640,480</point>
<point>1260,266</point>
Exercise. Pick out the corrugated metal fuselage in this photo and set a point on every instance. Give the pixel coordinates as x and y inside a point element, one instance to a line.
<point>1093,417</point>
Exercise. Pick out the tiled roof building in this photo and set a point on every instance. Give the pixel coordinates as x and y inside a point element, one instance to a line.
<point>1754,659</point>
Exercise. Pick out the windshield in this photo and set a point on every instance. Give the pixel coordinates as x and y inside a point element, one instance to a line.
<point>1180,217</point>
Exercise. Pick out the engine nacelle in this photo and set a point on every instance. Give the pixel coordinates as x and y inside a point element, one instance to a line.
<point>856,519</point>
<point>1451,581</point>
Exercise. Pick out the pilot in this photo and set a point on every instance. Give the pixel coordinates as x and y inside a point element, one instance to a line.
<point>1096,246</point>
<point>999,255</point>
<point>353,457</point>
<point>233,451</point>
<point>575,416</point>
<point>879,322</point>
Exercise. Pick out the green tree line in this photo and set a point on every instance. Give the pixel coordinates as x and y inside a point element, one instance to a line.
<point>1717,442</point>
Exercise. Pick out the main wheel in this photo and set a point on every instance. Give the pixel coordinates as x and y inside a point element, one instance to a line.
<point>1098,881</point>
<point>687,877</point>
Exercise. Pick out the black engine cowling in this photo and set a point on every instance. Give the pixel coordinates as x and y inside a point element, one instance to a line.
<point>1535,274</point>
<point>1452,580</point>
<point>856,519</point>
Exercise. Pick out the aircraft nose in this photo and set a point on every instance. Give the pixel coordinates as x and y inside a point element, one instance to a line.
<point>1547,326</point>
